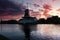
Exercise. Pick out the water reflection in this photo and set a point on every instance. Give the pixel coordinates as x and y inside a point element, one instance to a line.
<point>31,32</point>
<point>27,28</point>
<point>12,31</point>
<point>46,32</point>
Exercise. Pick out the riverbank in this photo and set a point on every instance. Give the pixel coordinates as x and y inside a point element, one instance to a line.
<point>3,37</point>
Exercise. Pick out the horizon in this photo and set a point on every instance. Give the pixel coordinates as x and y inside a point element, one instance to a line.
<point>36,18</point>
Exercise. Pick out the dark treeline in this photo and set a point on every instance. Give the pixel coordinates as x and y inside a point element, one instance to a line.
<point>52,20</point>
<point>9,22</point>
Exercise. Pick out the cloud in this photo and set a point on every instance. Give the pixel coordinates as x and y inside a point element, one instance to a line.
<point>8,7</point>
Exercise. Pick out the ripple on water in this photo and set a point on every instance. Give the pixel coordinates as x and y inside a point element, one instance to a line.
<point>47,32</point>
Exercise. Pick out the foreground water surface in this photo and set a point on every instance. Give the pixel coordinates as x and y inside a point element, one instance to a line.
<point>37,32</point>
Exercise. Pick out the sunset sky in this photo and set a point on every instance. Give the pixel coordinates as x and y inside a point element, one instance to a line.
<point>14,9</point>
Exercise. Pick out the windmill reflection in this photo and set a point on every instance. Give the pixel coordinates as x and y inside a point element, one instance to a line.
<point>27,28</point>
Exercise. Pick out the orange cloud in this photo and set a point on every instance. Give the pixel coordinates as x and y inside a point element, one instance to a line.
<point>58,10</point>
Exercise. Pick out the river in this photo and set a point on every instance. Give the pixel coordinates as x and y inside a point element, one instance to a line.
<point>36,32</point>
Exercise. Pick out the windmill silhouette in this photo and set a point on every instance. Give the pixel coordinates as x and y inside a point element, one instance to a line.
<point>27,19</point>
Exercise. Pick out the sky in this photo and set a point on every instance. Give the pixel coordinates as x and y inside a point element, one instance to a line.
<point>14,9</point>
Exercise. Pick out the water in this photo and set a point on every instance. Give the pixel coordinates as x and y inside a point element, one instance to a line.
<point>37,32</point>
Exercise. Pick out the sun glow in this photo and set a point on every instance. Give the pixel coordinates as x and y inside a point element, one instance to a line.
<point>54,13</point>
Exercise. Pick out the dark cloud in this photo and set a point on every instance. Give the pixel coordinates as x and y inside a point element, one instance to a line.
<point>10,8</point>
